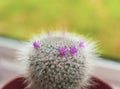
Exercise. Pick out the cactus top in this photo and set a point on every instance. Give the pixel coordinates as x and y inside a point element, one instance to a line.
<point>57,61</point>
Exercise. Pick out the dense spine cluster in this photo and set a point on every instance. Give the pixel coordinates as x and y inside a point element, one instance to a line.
<point>58,62</point>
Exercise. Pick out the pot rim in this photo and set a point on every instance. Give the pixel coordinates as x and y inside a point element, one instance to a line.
<point>19,81</point>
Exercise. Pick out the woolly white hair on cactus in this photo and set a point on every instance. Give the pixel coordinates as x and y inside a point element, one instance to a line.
<point>58,61</point>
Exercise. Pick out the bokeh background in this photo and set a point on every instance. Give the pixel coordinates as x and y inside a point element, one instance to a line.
<point>99,19</point>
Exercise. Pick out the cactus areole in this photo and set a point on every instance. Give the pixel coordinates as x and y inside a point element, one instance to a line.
<point>58,62</point>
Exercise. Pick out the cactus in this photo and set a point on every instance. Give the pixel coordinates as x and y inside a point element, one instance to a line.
<point>58,62</point>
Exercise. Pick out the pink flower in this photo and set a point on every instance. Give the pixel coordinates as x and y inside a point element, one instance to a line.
<point>82,44</point>
<point>73,50</point>
<point>62,50</point>
<point>36,44</point>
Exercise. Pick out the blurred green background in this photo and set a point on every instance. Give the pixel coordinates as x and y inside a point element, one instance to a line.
<point>99,19</point>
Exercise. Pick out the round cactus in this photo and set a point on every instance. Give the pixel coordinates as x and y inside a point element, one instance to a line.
<point>58,62</point>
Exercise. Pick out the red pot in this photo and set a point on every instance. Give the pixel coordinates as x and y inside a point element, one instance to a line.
<point>18,83</point>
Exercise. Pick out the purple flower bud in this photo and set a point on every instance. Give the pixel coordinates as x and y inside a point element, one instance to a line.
<point>82,44</point>
<point>49,33</point>
<point>62,50</point>
<point>36,44</point>
<point>73,50</point>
